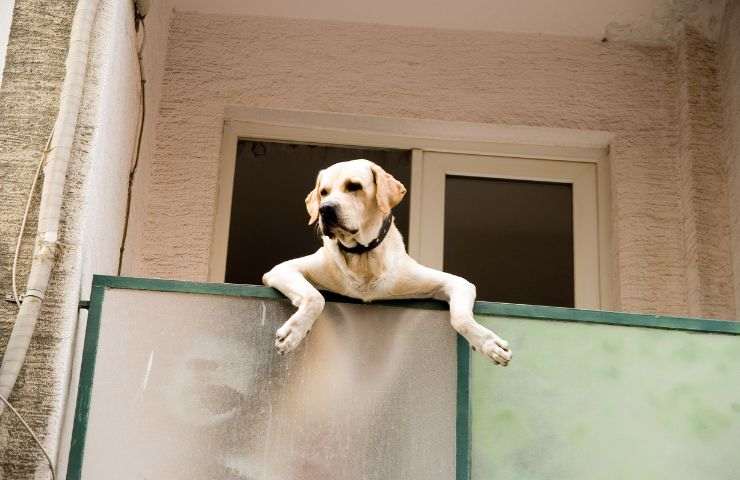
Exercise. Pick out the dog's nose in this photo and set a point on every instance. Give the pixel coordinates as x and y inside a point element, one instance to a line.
<point>328,211</point>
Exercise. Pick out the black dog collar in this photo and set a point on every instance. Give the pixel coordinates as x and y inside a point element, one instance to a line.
<point>360,248</point>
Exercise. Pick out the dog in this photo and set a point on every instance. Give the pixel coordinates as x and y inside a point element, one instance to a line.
<point>363,256</point>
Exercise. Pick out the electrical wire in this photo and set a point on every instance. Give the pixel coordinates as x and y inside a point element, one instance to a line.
<point>27,209</point>
<point>17,299</point>
<point>132,171</point>
<point>33,435</point>
<point>18,243</point>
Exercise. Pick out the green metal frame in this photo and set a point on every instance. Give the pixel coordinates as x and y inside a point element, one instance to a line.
<point>101,283</point>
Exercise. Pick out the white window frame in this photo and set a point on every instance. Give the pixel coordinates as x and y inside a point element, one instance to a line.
<point>420,136</point>
<point>580,175</point>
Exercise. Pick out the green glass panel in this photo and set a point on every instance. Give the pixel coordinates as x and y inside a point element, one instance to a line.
<point>588,401</point>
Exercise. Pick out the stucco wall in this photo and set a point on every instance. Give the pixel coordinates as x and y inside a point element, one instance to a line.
<point>730,94</point>
<point>157,24</point>
<point>94,198</point>
<point>519,79</point>
<point>32,78</point>
<point>660,103</point>
<point>703,179</point>
<point>6,15</point>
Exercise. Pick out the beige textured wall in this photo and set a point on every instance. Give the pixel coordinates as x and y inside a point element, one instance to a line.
<point>93,205</point>
<point>156,26</point>
<point>704,206</point>
<point>730,94</point>
<point>521,79</point>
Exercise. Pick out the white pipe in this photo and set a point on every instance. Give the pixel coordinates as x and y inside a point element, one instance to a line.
<point>55,172</point>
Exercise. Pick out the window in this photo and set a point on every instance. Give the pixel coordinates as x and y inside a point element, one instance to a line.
<point>512,238</point>
<point>523,230</point>
<point>520,211</point>
<point>268,221</point>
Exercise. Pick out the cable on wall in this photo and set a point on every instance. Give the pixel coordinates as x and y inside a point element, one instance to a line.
<point>19,242</point>
<point>17,299</point>
<point>139,19</point>
<point>82,25</point>
<point>33,435</point>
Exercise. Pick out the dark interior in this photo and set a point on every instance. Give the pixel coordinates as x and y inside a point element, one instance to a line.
<point>513,239</point>
<point>268,215</point>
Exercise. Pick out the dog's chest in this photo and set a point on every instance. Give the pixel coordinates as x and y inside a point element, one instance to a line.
<point>367,289</point>
<point>366,284</point>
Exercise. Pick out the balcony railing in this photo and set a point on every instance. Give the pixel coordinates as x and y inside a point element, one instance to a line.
<point>181,380</point>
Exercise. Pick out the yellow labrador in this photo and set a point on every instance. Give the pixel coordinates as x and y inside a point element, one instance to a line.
<point>364,257</point>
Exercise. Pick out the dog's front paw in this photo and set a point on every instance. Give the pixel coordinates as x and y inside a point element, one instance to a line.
<point>497,349</point>
<point>288,337</point>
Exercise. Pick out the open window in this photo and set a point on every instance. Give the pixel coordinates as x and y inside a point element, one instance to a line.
<point>526,223</point>
<point>268,220</point>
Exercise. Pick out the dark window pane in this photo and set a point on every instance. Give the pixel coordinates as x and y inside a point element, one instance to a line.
<point>513,239</point>
<point>268,215</point>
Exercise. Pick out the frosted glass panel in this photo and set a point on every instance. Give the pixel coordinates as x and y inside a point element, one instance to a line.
<point>188,386</point>
<point>585,401</point>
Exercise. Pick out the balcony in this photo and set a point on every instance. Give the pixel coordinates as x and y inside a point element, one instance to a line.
<point>181,380</point>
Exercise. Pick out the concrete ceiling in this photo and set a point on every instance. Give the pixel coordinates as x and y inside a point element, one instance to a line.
<point>646,21</point>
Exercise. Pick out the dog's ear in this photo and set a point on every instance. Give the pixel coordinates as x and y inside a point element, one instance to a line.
<point>388,191</point>
<point>313,201</point>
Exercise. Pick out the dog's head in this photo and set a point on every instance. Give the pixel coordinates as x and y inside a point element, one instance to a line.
<point>351,199</point>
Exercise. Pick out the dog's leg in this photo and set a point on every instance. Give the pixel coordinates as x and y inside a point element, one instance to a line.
<point>288,278</point>
<point>461,296</point>
<point>419,281</point>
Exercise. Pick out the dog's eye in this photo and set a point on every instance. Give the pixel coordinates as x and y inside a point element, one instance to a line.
<point>323,192</point>
<point>353,186</point>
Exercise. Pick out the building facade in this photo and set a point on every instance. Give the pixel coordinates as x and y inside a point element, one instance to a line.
<point>671,109</point>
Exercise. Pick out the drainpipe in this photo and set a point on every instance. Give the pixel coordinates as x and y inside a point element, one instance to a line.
<point>55,172</point>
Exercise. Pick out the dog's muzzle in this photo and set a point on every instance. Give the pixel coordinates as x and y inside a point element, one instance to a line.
<point>329,219</point>
<point>330,222</point>
<point>328,213</point>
